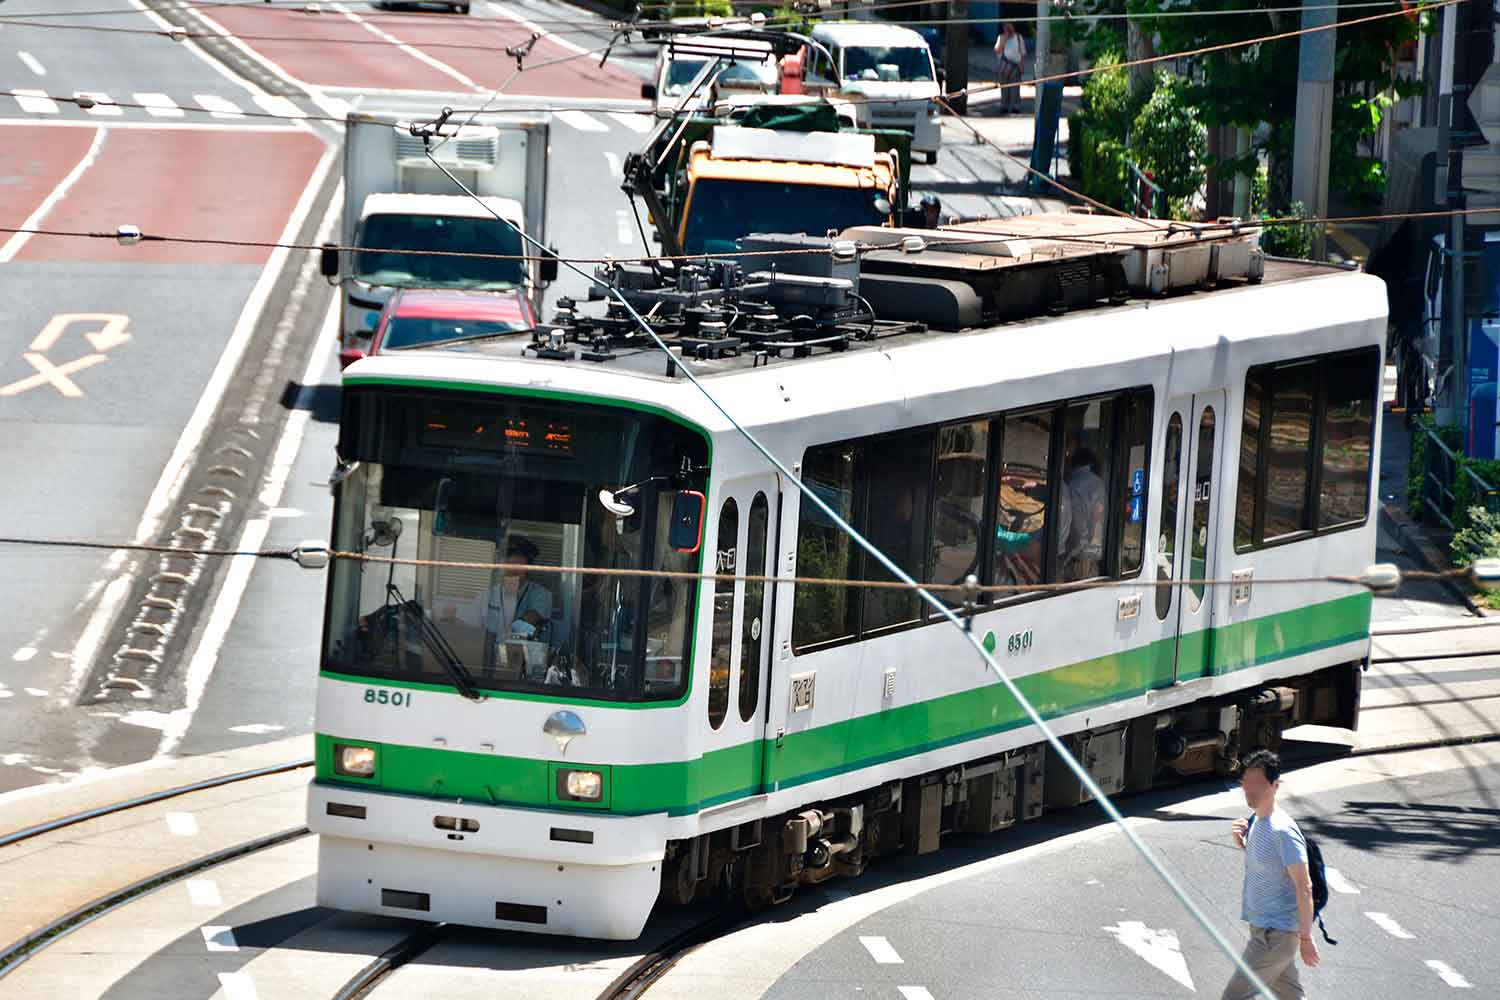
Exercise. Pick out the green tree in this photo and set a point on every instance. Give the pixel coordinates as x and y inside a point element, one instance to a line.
<point>1169,139</point>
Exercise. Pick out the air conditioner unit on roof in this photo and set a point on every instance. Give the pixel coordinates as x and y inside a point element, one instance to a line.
<point>474,147</point>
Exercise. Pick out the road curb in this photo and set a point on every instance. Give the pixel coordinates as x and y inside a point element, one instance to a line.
<point>1413,540</point>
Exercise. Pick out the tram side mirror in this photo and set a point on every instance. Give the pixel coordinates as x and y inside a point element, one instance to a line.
<point>610,501</point>
<point>328,262</point>
<point>686,534</point>
<point>548,268</point>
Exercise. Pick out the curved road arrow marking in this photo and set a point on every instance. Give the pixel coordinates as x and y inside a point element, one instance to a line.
<point>111,331</point>
<point>1160,948</point>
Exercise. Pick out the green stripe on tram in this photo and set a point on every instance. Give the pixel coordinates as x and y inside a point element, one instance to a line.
<point>685,787</point>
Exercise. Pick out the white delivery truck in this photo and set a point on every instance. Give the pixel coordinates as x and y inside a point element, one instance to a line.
<point>887,72</point>
<point>395,199</point>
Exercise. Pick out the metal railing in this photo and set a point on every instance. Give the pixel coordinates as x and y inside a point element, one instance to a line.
<point>1147,201</point>
<point>1443,468</point>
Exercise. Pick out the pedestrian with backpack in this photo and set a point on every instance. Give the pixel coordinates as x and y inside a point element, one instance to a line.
<point>1277,900</point>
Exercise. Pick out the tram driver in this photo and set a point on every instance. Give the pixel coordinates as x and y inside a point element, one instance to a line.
<point>518,607</point>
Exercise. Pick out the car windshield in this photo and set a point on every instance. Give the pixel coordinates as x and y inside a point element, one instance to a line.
<point>720,212</point>
<point>437,232</point>
<point>890,64</point>
<point>414,331</point>
<point>740,73</point>
<point>457,483</point>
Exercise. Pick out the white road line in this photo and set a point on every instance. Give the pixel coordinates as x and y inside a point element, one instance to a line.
<point>271,104</point>
<point>103,103</point>
<point>1160,948</point>
<point>622,227</point>
<point>32,63</point>
<point>881,951</point>
<point>226,605</point>
<point>218,107</point>
<point>636,123</point>
<point>613,159</point>
<point>214,64</point>
<point>1385,923</point>
<point>1452,978</point>
<point>1338,883</point>
<point>158,105</point>
<point>219,938</point>
<point>13,245</point>
<point>415,53</point>
<point>126,123</point>
<point>37,692</point>
<point>182,824</point>
<point>204,892</point>
<point>913,993</point>
<point>531,26</point>
<point>36,101</point>
<point>169,483</point>
<point>237,986</point>
<point>23,654</point>
<point>580,120</point>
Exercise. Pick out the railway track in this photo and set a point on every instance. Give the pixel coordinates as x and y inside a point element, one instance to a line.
<point>89,895</point>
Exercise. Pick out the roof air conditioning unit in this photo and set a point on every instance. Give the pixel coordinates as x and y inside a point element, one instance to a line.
<point>474,147</point>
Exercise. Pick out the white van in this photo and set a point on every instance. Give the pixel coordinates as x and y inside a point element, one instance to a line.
<point>887,72</point>
<point>679,61</point>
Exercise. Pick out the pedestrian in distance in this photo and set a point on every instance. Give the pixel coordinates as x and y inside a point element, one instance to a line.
<point>1277,899</point>
<point>1010,49</point>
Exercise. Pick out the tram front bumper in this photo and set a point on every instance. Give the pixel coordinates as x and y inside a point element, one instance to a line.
<point>577,873</point>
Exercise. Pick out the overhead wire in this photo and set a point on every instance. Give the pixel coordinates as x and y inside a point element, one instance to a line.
<point>959,238</point>
<point>937,605</point>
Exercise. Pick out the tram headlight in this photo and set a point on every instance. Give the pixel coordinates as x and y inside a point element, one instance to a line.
<point>353,761</point>
<point>580,786</point>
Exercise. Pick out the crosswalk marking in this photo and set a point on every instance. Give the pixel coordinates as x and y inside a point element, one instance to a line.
<point>36,101</point>
<point>581,121</point>
<point>634,122</point>
<point>102,104</point>
<point>158,105</point>
<point>881,951</point>
<point>1448,975</point>
<point>218,106</point>
<point>1385,923</point>
<point>280,106</point>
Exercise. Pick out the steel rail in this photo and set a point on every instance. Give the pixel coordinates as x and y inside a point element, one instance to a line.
<point>124,805</point>
<point>413,945</point>
<point>646,970</point>
<point>18,952</point>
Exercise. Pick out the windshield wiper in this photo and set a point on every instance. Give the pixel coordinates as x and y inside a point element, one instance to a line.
<point>436,643</point>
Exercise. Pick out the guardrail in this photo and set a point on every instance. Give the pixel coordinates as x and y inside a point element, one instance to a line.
<point>1146,198</point>
<point>1441,477</point>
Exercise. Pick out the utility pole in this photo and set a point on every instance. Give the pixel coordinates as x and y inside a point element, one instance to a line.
<point>1043,45</point>
<point>956,54</point>
<point>1314,123</point>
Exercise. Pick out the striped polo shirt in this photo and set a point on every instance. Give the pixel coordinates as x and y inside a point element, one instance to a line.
<point>1270,898</point>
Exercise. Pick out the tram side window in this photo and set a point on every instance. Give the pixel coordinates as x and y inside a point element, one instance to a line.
<point>1348,439</point>
<point>752,627</point>
<point>723,628</point>
<point>1289,452</point>
<point>822,615</point>
<point>1135,440</point>
<point>958,506</point>
<point>1088,435</point>
<point>1306,448</point>
<point>1025,502</point>
<point>900,483</point>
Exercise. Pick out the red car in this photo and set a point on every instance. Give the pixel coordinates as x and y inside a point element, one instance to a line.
<point>421,317</point>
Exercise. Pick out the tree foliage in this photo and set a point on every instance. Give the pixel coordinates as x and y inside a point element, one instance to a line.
<point>1169,139</point>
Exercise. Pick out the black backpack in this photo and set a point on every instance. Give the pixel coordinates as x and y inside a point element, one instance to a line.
<point>1316,873</point>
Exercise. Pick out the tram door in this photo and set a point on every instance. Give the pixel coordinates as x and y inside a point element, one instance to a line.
<point>1191,467</point>
<point>747,515</point>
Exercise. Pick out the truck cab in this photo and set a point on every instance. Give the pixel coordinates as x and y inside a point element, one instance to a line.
<point>396,199</point>
<point>887,72</point>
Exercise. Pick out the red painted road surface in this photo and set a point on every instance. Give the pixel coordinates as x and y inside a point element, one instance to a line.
<point>334,49</point>
<point>187,182</point>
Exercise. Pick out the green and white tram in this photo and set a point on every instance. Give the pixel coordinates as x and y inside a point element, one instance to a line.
<point>554,751</point>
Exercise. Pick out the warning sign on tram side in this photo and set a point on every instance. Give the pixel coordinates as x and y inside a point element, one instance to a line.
<point>102,331</point>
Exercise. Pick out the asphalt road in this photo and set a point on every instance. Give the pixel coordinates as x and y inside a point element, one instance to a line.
<point>1409,835</point>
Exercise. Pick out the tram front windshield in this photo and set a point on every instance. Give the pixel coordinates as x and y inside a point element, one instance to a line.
<point>439,487</point>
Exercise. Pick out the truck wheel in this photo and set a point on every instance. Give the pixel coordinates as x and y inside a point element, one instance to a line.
<point>461,8</point>
<point>931,157</point>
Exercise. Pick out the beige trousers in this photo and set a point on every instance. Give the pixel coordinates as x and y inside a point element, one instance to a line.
<point>1273,956</point>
